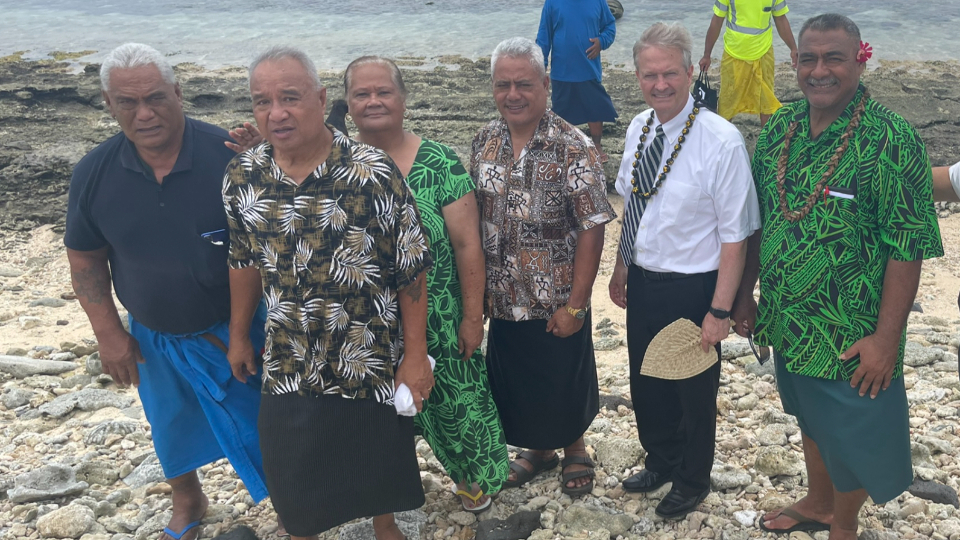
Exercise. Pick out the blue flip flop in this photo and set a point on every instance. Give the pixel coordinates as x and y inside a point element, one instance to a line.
<point>178,536</point>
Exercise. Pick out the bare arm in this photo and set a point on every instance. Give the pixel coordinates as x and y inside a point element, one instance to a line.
<point>878,351</point>
<point>732,257</point>
<point>586,262</point>
<point>713,34</point>
<point>744,312</point>
<point>119,351</point>
<point>942,188</point>
<point>786,34</point>
<point>463,222</point>
<point>246,288</point>
<point>415,370</point>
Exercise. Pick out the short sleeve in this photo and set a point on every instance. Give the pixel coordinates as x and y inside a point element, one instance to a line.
<point>412,255</point>
<point>586,188</point>
<point>955,177</point>
<point>455,181</point>
<point>82,232</point>
<point>780,8</point>
<point>904,183</point>
<point>734,194</point>
<point>240,255</point>
<point>720,8</point>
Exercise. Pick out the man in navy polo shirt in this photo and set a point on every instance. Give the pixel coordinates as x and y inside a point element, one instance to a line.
<point>146,210</point>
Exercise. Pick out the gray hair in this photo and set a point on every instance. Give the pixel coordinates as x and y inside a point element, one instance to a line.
<point>280,52</point>
<point>665,36</point>
<point>391,66</point>
<point>519,47</point>
<point>830,21</point>
<point>131,55</point>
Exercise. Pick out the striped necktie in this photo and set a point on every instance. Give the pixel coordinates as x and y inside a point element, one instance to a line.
<point>645,173</point>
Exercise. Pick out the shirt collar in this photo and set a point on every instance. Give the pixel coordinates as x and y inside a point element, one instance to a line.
<point>838,125</point>
<point>341,154</point>
<point>674,127</point>
<point>129,158</point>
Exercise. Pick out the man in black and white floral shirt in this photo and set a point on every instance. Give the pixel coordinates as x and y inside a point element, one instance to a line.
<point>328,230</point>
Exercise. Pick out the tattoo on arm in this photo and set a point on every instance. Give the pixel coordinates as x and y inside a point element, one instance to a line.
<point>92,284</point>
<point>414,291</point>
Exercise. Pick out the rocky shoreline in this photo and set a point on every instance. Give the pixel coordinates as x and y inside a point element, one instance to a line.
<point>76,459</point>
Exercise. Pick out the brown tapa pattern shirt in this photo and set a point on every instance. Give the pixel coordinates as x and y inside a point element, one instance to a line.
<point>333,253</point>
<point>531,211</point>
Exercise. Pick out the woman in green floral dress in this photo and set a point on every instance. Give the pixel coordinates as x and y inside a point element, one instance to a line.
<point>459,420</point>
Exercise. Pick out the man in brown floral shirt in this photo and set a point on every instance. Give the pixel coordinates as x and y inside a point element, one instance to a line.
<point>543,207</point>
<point>327,230</point>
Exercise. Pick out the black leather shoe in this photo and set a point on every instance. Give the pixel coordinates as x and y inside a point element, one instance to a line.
<point>645,481</point>
<point>676,505</point>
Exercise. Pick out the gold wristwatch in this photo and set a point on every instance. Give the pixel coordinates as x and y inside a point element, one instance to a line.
<point>578,313</point>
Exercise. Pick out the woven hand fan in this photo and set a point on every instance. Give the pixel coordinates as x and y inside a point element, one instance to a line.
<point>675,353</point>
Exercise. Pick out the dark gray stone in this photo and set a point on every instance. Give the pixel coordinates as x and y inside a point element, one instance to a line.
<point>93,365</point>
<point>616,8</point>
<point>239,533</point>
<point>17,397</point>
<point>611,402</point>
<point>47,302</point>
<point>101,432</point>
<point>519,526</point>
<point>934,491</point>
<point>22,366</point>
<point>607,343</point>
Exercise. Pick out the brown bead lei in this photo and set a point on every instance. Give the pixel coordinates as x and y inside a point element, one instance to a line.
<point>794,216</point>
<point>635,181</point>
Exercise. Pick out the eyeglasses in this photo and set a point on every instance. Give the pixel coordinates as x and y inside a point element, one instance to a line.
<point>761,358</point>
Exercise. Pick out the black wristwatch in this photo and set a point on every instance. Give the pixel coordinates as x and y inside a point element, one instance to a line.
<point>719,313</point>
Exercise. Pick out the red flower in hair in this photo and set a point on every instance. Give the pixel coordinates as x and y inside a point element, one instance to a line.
<point>865,52</point>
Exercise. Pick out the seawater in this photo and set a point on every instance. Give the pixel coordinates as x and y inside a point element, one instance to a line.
<point>215,33</point>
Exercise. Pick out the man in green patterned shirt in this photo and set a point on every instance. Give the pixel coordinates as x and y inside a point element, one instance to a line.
<point>847,209</point>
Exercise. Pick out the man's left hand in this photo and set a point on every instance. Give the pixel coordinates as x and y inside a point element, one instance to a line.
<point>563,324</point>
<point>713,331</point>
<point>594,50</point>
<point>246,137</point>
<point>878,359</point>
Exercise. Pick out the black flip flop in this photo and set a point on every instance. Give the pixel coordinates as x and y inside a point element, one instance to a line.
<point>539,465</point>
<point>804,523</point>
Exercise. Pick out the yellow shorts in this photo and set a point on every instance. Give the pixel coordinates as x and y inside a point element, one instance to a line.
<point>747,87</point>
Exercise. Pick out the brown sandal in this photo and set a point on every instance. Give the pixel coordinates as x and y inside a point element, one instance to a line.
<point>538,463</point>
<point>566,477</point>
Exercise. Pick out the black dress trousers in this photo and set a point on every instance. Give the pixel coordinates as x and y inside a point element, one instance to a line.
<point>676,420</point>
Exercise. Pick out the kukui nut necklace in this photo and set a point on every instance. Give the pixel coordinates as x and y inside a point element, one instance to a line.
<point>794,216</point>
<point>673,156</point>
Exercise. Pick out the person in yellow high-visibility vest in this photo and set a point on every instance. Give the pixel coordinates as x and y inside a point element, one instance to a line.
<point>746,69</point>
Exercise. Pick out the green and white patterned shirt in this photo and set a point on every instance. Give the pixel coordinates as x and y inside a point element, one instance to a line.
<point>821,279</point>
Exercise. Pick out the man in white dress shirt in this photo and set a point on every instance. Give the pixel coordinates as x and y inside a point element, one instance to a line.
<point>689,205</point>
<point>946,187</point>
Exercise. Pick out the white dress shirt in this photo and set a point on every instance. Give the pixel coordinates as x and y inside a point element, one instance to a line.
<point>955,177</point>
<point>707,198</point>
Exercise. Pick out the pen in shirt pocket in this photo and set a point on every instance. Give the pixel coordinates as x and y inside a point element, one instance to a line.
<point>839,192</point>
<point>217,237</point>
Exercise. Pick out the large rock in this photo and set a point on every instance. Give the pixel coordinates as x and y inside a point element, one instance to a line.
<point>935,492</point>
<point>915,354</point>
<point>729,477</point>
<point>23,366</point>
<point>776,434</point>
<point>67,522</point>
<point>239,533</point>
<point>409,523</point>
<point>17,397</point>
<point>147,472</point>
<point>88,399</point>
<point>44,484</point>
<point>578,519</point>
<point>616,455</point>
<point>778,461</point>
<point>875,534</point>
<point>519,526</point>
